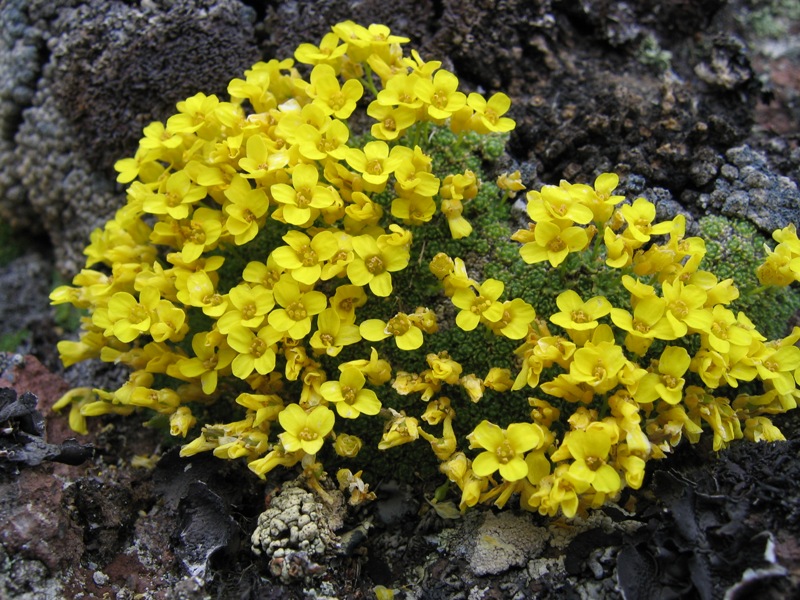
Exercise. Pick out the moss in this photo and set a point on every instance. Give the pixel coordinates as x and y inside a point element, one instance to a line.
<point>735,248</point>
<point>10,245</point>
<point>11,342</point>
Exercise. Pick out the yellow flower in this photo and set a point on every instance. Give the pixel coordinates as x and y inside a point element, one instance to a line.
<point>599,362</point>
<point>590,450</point>
<point>251,303</point>
<point>200,233</point>
<point>177,197</point>
<point>511,183</point>
<point>333,333</point>
<point>303,256</point>
<point>391,121</point>
<point>375,260</point>
<point>414,174</point>
<point>413,209</point>
<point>315,143</point>
<point>212,355</point>
<point>514,323</point>
<point>276,457</point>
<point>440,94</point>
<point>579,318</point>
<point>724,331</point>
<point>377,370</point>
<point>333,99</point>
<point>761,429</point>
<point>375,162</point>
<point>639,217</point>
<point>181,421</point>
<point>328,52</point>
<point>264,159</point>
<point>498,379</point>
<point>255,350</point>
<point>459,226</point>
<point>473,386</point>
<point>599,199</point>
<point>685,307</point>
<point>777,267</point>
<point>346,299</point>
<point>425,319</point>
<point>553,240</point>
<point>483,305</point>
<point>668,383</point>
<point>305,197</point>
<point>489,113</point>
<point>349,395</point>
<point>401,429</point>
<point>200,291</point>
<point>406,335</point>
<point>443,368</point>
<point>400,91</point>
<point>554,202</point>
<point>245,209</point>
<point>647,323</point>
<point>504,449</point>
<point>361,212</point>
<point>298,308</point>
<point>126,317</point>
<point>193,114</point>
<point>266,406</point>
<point>347,446</point>
<point>778,365</point>
<point>305,430</point>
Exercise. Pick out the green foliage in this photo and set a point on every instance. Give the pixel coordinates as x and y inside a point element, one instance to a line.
<point>735,249</point>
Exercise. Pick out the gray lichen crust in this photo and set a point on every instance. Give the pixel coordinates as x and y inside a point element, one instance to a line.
<point>298,530</point>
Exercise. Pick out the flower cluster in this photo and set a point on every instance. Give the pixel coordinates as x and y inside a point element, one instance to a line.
<point>254,271</point>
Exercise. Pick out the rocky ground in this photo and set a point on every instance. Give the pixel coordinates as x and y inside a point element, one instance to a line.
<point>695,104</point>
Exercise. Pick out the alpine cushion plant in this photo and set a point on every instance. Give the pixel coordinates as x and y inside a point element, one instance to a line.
<point>284,277</point>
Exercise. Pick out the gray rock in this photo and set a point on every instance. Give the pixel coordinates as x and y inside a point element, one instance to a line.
<point>111,68</point>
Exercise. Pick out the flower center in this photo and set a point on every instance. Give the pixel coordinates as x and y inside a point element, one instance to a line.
<point>670,381</point>
<point>304,197</point>
<point>556,245</point>
<point>308,257</point>
<point>504,452</point>
<point>439,99</point>
<point>296,311</point>
<point>679,308</point>
<point>594,463</point>
<point>720,330</point>
<point>337,101</point>
<point>138,314</point>
<point>212,299</point>
<point>349,394</point>
<point>258,347</point>
<point>398,325</point>
<point>375,265</point>
<point>307,435</point>
<point>374,167</point>
<point>195,233</point>
<point>480,305</point>
<point>248,311</point>
<point>578,316</point>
